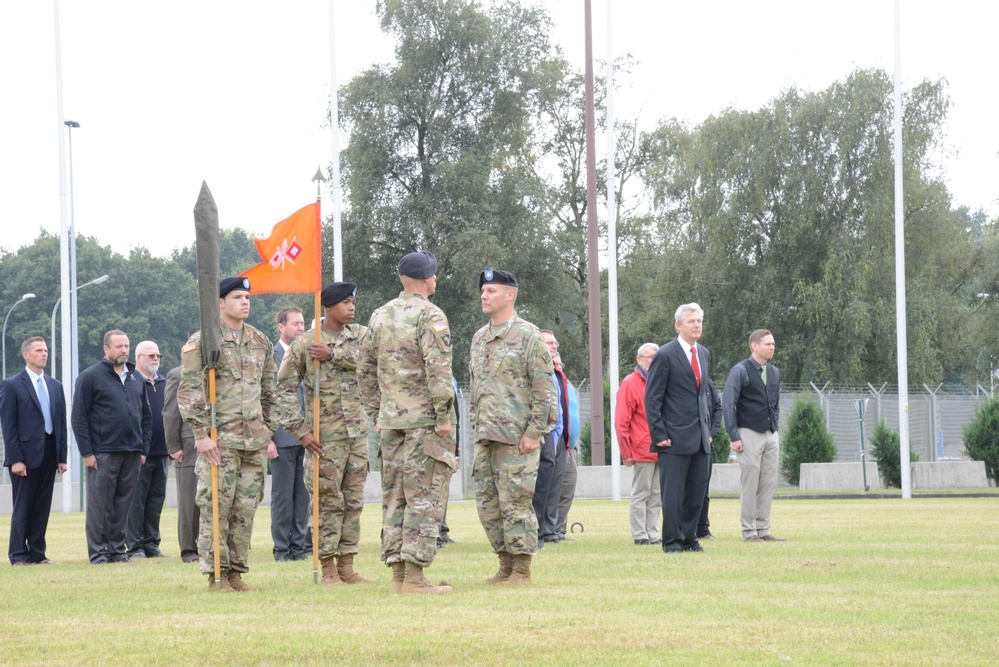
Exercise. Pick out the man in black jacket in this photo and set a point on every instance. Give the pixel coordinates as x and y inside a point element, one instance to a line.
<point>112,423</point>
<point>143,533</point>
<point>752,413</point>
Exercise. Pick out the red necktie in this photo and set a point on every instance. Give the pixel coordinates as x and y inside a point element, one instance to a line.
<point>696,366</point>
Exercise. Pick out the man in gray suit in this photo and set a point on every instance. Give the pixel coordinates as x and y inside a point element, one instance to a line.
<point>680,413</point>
<point>184,454</point>
<point>289,497</point>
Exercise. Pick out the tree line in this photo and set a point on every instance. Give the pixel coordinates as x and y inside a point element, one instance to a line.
<point>470,143</point>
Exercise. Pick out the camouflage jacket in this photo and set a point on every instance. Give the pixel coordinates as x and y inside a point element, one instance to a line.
<point>246,410</point>
<point>340,412</point>
<point>405,365</point>
<point>512,393</point>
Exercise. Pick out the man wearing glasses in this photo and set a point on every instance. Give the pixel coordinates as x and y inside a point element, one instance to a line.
<point>143,535</point>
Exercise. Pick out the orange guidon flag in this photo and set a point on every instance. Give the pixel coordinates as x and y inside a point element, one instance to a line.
<point>292,255</point>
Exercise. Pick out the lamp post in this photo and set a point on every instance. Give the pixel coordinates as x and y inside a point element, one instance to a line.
<point>73,313</point>
<point>4,346</point>
<point>95,281</point>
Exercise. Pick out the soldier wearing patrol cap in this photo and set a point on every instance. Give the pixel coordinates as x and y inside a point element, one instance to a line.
<point>342,447</point>
<point>406,384</point>
<point>513,404</point>
<point>246,416</point>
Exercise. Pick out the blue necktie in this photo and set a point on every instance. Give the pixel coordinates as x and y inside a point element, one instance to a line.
<point>43,399</point>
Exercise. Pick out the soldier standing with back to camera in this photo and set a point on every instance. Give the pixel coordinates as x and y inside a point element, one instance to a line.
<point>246,416</point>
<point>513,405</point>
<point>405,378</point>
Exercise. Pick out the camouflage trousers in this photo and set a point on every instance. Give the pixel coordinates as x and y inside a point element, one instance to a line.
<point>416,475</point>
<point>241,487</point>
<point>504,489</point>
<point>343,467</point>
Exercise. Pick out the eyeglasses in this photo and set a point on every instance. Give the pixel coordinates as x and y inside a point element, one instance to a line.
<point>152,356</point>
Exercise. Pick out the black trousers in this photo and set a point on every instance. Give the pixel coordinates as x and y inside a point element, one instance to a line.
<point>147,506</point>
<point>704,523</point>
<point>548,490</point>
<point>32,503</point>
<point>109,496</point>
<point>683,481</point>
<point>290,503</point>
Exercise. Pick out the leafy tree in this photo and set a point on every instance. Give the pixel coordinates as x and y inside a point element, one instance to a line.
<point>807,439</point>
<point>886,450</point>
<point>981,437</point>
<point>586,433</point>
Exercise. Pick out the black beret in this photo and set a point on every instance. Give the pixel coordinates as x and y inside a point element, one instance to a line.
<point>419,265</point>
<point>334,293</point>
<point>227,285</point>
<point>497,277</point>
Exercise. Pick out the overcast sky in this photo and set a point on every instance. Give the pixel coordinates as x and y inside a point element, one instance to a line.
<point>234,93</point>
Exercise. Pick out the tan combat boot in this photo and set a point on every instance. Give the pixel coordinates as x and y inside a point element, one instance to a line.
<point>330,576</point>
<point>345,568</point>
<point>415,582</point>
<point>225,587</point>
<point>237,583</point>
<point>398,576</point>
<point>505,568</point>
<point>521,570</point>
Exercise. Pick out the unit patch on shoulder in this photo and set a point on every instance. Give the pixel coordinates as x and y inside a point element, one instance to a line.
<point>192,345</point>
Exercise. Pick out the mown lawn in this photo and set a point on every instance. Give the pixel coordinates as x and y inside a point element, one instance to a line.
<point>861,581</point>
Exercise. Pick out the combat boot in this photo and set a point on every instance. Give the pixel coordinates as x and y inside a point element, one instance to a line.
<point>521,570</point>
<point>345,568</point>
<point>415,582</point>
<point>505,568</point>
<point>398,576</point>
<point>237,583</point>
<point>225,587</point>
<point>330,576</point>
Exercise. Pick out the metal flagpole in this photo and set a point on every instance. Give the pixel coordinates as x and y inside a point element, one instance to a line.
<point>612,323</point>
<point>67,387</point>
<point>593,262</point>
<point>335,191</point>
<point>900,320</point>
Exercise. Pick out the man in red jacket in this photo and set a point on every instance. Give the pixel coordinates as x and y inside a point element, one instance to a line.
<point>633,438</point>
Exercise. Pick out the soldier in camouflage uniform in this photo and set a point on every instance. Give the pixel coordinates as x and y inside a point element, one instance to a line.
<point>246,416</point>
<point>513,404</point>
<point>342,446</point>
<point>405,378</point>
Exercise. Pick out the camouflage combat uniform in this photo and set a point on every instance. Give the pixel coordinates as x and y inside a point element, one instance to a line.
<point>405,378</point>
<point>512,395</point>
<point>343,432</point>
<point>246,418</point>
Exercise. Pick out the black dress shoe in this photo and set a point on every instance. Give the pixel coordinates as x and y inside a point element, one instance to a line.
<point>706,536</point>
<point>283,558</point>
<point>302,555</point>
<point>155,553</point>
<point>134,555</point>
<point>693,547</point>
<point>445,539</point>
<point>641,542</point>
<point>671,550</point>
<point>656,542</point>
<point>121,558</point>
<point>190,558</point>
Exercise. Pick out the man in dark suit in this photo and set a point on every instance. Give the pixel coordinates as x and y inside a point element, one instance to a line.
<point>290,499</point>
<point>180,443</point>
<point>33,417</point>
<point>680,412</point>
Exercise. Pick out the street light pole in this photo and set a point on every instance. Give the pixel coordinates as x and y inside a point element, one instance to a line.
<point>73,312</point>
<point>52,366</point>
<point>4,346</point>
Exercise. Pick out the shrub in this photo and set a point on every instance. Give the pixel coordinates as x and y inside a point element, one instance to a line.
<point>886,450</point>
<point>721,446</point>
<point>981,437</point>
<point>807,440</point>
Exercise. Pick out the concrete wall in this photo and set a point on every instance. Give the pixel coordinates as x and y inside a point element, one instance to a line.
<point>949,475</point>
<point>838,477</point>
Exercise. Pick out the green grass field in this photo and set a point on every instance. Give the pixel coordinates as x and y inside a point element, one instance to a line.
<point>889,582</point>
